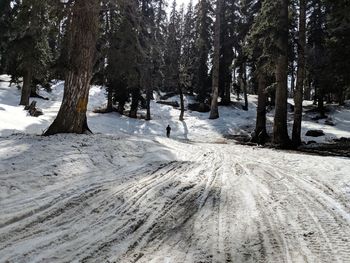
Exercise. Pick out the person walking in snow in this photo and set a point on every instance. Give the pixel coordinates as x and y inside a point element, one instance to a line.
<point>168,129</point>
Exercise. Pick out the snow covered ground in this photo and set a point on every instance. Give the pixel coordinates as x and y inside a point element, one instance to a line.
<point>128,194</point>
<point>196,126</point>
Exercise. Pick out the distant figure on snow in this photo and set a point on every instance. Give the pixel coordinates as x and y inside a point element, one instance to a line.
<point>168,129</point>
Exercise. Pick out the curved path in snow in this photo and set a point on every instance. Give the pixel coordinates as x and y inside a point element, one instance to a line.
<point>205,202</point>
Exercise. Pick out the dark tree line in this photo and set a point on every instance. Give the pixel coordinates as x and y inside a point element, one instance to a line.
<point>210,49</point>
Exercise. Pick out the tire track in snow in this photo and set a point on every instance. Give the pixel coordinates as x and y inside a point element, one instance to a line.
<point>140,199</point>
<point>204,180</point>
<point>218,207</point>
<point>264,233</point>
<point>199,197</point>
<point>322,235</point>
<point>329,216</point>
<point>63,210</point>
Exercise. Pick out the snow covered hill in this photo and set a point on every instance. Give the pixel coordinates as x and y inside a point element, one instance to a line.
<point>129,194</point>
<point>196,127</point>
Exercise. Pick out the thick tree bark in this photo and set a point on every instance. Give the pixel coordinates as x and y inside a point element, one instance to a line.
<point>243,85</point>
<point>228,93</point>
<point>108,31</point>
<point>26,89</point>
<point>320,103</point>
<point>148,103</point>
<point>33,91</point>
<point>214,111</point>
<point>83,31</point>
<point>148,83</point>
<point>109,100</point>
<point>226,97</point>
<point>341,97</point>
<point>292,82</point>
<point>308,88</point>
<point>260,128</point>
<point>135,98</point>
<point>245,91</point>
<point>299,89</point>
<point>121,106</point>
<point>182,104</point>
<point>234,74</point>
<point>280,131</point>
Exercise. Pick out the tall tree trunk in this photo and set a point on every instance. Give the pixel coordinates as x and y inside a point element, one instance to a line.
<point>260,128</point>
<point>320,102</point>
<point>234,83</point>
<point>182,104</point>
<point>341,97</point>
<point>109,100</point>
<point>121,105</point>
<point>147,83</point>
<point>243,86</point>
<point>292,82</point>
<point>308,89</point>
<point>33,91</point>
<point>83,31</point>
<point>26,89</point>
<point>299,89</point>
<point>228,83</point>
<point>234,74</point>
<point>280,131</point>
<point>135,98</point>
<point>245,92</point>
<point>108,32</point>
<point>148,103</point>
<point>214,111</point>
<point>316,91</point>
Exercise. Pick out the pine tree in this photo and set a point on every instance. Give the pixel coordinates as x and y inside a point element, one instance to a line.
<point>104,42</point>
<point>58,17</point>
<point>135,51</point>
<point>147,42</point>
<point>173,50</point>
<point>271,53</point>
<point>229,21</point>
<point>188,54</point>
<point>124,56</point>
<point>6,15</point>
<point>181,36</point>
<point>292,45</point>
<point>317,58</point>
<point>173,53</point>
<point>214,111</point>
<point>63,13</point>
<point>159,44</point>
<point>71,117</point>
<point>260,52</point>
<point>247,11</point>
<point>28,51</point>
<point>280,131</point>
<point>203,48</point>
<point>338,44</point>
<point>260,133</point>
<point>298,95</point>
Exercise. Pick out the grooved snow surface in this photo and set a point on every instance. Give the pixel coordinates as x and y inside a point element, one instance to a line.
<point>116,197</point>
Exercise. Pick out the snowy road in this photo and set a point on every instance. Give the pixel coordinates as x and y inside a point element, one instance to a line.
<point>199,202</point>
